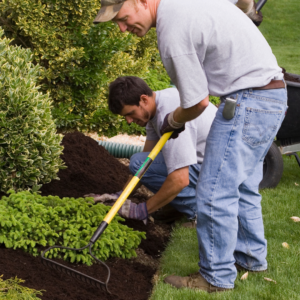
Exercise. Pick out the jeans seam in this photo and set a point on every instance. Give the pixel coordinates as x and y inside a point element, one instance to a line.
<point>214,283</point>
<point>217,180</point>
<point>246,241</point>
<point>247,94</point>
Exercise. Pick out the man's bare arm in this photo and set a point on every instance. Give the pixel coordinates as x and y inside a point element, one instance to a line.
<point>182,115</point>
<point>149,145</point>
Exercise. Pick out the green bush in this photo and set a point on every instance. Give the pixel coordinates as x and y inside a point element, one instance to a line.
<point>29,221</point>
<point>79,59</point>
<point>29,145</point>
<point>11,289</point>
<point>214,100</point>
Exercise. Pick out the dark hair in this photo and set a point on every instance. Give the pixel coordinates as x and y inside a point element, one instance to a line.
<point>126,90</point>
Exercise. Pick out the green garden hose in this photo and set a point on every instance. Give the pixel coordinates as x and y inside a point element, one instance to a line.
<point>120,150</point>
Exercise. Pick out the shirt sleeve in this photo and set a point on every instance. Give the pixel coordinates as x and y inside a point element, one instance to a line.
<point>181,152</point>
<point>187,73</point>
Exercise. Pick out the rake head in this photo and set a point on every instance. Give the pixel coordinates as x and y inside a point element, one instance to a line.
<point>75,274</point>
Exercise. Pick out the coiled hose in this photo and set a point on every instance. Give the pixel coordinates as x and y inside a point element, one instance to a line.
<point>120,150</point>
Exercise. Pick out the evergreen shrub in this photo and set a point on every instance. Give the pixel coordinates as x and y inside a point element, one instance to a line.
<point>12,289</point>
<point>29,145</point>
<point>29,221</point>
<point>80,59</point>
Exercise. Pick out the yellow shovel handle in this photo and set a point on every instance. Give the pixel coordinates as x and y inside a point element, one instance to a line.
<point>136,178</point>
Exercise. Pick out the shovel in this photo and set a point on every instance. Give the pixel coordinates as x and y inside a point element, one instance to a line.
<point>107,219</point>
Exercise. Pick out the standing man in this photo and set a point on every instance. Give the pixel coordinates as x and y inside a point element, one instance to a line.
<point>212,47</point>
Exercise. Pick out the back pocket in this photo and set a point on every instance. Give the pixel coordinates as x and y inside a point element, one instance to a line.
<point>260,126</point>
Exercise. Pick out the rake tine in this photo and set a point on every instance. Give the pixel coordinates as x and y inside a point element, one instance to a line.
<point>76,274</point>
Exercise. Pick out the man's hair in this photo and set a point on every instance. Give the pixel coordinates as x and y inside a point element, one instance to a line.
<point>126,90</point>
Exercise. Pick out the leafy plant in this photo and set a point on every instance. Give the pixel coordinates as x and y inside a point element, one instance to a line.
<point>29,221</point>
<point>11,289</point>
<point>214,100</point>
<point>29,145</point>
<point>79,59</point>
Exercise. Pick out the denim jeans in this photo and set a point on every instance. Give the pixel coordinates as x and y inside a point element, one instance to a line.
<point>156,175</point>
<point>229,223</point>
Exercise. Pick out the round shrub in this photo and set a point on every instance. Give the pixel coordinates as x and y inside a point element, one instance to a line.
<point>29,146</point>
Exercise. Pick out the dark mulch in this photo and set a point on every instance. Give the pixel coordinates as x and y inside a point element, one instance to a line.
<point>91,169</point>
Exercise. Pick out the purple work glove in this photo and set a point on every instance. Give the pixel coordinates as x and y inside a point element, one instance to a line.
<point>255,16</point>
<point>130,210</point>
<point>170,125</point>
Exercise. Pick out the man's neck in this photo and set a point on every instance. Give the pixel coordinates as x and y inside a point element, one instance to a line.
<point>153,105</point>
<point>153,6</point>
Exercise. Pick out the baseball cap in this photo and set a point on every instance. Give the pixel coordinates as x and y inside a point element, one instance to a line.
<point>109,9</point>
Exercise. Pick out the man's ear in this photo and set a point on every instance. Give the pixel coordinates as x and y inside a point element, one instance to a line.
<point>144,3</point>
<point>144,99</point>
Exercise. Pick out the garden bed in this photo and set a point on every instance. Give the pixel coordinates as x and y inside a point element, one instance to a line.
<point>91,170</point>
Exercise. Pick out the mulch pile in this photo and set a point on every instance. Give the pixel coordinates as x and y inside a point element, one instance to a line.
<point>91,169</point>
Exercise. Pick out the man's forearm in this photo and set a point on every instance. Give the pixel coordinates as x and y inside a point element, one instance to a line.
<point>172,186</point>
<point>182,115</point>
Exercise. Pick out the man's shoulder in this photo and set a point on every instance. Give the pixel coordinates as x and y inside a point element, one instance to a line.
<point>167,99</point>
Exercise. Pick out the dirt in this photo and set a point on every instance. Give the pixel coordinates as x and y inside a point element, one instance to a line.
<point>91,169</point>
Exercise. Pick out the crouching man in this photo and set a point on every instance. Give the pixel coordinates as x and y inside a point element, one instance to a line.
<point>172,176</point>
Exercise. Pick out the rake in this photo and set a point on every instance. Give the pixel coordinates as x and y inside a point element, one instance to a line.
<point>106,221</point>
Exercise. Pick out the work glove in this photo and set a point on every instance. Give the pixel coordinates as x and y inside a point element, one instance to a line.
<point>128,210</point>
<point>104,197</point>
<point>170,125</point>
<point>254,15</point>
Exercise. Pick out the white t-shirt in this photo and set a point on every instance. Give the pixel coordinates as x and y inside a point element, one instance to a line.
<point>212,47</point>
<point>188,148</point>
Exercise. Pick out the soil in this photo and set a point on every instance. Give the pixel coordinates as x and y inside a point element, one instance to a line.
<point>288,77</point>
<point>91,169</point>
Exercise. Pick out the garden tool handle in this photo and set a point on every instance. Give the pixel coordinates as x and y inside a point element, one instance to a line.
<point>260,4</point>
<point>131,185</point>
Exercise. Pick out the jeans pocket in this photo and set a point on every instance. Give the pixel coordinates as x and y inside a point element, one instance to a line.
<point>260,126</point>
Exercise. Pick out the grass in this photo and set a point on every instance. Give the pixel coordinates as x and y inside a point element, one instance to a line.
<point>281,28</point>
<point>279,204</point>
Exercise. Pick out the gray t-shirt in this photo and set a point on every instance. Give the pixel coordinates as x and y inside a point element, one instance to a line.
<point>212,47</point>
<point>188,148</point>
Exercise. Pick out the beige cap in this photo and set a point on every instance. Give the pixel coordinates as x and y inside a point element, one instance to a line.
<point>109,9</point>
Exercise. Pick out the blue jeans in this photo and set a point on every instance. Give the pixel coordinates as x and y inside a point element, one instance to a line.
<point>156,175</point>
<point>229,222</point>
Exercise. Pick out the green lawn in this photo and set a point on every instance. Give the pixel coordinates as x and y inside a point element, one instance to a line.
<point>279,204</point>
<point>281,28</point>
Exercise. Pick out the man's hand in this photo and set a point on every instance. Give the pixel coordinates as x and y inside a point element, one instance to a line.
<point>135,211</point>
<point>128,210</point>
<point>254,15</point>
<point>170,124</point>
